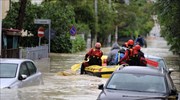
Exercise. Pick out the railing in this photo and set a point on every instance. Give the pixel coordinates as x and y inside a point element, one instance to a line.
<point>34,53</point>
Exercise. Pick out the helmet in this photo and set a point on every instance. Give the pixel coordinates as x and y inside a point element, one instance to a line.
<point>130,42</point>
<point>98,45</point>
<point>137,47</point>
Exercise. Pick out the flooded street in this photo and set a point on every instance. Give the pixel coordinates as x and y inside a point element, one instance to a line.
<point>81,87</point>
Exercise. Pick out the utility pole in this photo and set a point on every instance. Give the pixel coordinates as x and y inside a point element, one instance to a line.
<point>109,36</point>
<point>0,26</point>
<point>96,19</point>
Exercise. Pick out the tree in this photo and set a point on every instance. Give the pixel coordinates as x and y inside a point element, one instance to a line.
<point>21,14</point>
<point>168,15</point>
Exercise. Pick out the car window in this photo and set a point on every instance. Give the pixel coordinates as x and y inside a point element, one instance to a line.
<point>137,82</point>
<point>8,70</point>
<point>31,67</point>
<point>24,70</point>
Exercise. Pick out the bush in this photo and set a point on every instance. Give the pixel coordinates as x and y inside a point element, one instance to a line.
<point>78,44</point>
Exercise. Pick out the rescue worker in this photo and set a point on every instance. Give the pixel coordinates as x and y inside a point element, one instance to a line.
<point>111,56</point>
<point>128,53</point>
<point>94,55</point>
<point>125,45</point>
<point>141,59</point>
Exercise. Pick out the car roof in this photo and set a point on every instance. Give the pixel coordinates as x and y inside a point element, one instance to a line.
<point>151,56</point>
<point>13,60</point>
<point>139,70</point>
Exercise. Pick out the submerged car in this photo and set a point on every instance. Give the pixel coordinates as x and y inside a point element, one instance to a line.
<point>162,66</point>
<point>138,83</point>
<point>18,73</point>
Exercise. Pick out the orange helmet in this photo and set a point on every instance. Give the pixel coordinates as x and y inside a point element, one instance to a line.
<point>137,47</point>
<point>130,42</point>
<point>98,45</point>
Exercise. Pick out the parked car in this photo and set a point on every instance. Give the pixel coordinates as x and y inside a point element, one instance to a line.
<point>138,83</point>
<point>17,73</point>
<point>162,66</point>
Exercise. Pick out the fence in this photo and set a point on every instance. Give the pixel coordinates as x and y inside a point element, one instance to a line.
<point>34,53</point>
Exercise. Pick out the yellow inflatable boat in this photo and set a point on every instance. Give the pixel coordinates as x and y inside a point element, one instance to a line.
<point>103,71</point>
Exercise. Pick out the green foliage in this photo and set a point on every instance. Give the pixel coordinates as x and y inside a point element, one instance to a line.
<point>61,44</point>
<point>78,44</point>
<point>62,19</point>
<point>12,14</point>
<point>130,19</point>
<point>105,20</point>
<point>143,10</point>
<point>168,15</point>
<point>28,25</point>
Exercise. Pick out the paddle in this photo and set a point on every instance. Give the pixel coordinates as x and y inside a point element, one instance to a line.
<point>152,62</point>
<point>75,67</point>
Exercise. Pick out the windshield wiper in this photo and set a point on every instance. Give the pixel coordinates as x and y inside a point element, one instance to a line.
<point>112,88</point>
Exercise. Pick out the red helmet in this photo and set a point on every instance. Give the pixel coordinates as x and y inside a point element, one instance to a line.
<point>130,42</point>
<point>98,45</point>
<point>137,47</point>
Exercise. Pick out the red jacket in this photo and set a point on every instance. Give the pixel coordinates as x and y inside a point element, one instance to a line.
<point>128,53</point>
<point>94,53</point>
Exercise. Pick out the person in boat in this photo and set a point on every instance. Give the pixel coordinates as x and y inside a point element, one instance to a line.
<point>111,59</point>
<point>125,45</point>
<point>120,54</point>
<point>139,57</point>
<point>93,56</point>
<point>128,54</point>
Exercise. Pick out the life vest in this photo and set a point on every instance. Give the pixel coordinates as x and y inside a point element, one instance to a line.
<point>136,58</point>
<point>95,57</point>
<point>133,57</point>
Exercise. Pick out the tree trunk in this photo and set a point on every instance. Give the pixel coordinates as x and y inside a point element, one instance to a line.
<point>21,14</point>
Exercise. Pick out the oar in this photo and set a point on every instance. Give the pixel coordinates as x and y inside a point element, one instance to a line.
<point>75,67</point>
<point>152,62</point>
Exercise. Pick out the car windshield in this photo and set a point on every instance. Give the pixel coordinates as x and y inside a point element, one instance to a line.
<point>8,70</point>
<point>137,82</point>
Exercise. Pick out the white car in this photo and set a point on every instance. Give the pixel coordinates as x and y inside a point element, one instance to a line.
<point>18,73</point>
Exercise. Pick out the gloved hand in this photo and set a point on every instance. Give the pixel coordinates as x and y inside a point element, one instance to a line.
<point>119,62</point>
<point>85,59</point>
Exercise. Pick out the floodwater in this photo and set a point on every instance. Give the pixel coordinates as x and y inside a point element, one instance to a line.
<point>81,87</point>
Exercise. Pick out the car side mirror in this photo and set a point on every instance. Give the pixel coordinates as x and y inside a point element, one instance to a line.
<point>22,77</point>
<point>171,70</point>
<point>101,86</point>
<point>173,92</point>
